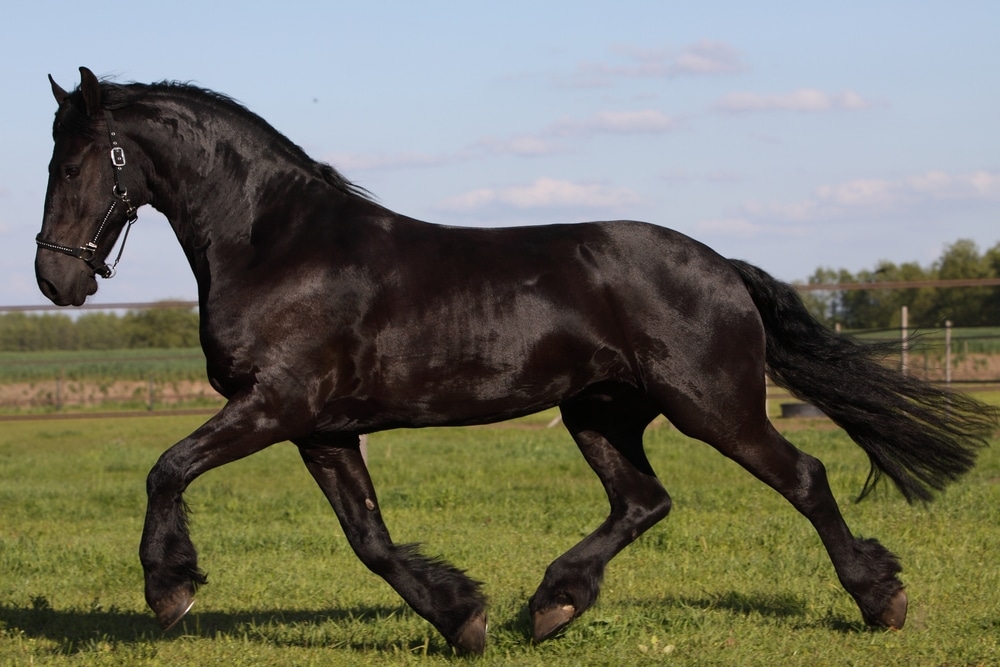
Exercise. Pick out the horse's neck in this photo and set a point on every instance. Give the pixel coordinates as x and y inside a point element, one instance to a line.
<point>208,177</point>
<point>188,160</point>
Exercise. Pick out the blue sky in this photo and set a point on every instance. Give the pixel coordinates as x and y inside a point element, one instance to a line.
<point>790,134</point>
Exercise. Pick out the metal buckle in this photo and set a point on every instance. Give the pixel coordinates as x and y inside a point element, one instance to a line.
<point>88,251</point>
<point>118,157</point>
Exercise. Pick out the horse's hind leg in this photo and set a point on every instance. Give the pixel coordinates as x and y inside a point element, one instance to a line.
<point>865,568</point>
<point>607,426</point>
<point>442,594</point>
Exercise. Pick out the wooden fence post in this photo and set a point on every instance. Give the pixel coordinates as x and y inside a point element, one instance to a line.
<point>905,316</point>
<point>947,352</point>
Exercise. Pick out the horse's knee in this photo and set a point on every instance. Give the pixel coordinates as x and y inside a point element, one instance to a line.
<point>374,549</point>
<point>378,560</point>
<point>166,475</point>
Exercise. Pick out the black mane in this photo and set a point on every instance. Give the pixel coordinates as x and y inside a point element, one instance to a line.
<point>119,96</point>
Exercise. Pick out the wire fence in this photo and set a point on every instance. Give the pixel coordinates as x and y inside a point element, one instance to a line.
<point>143,382</point>
<point>139,382</point>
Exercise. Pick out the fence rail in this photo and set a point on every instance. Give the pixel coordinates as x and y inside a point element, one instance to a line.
<point>39,388</point>
<point>802,287</point>
<point>130,382</point>
<point>41,308</point>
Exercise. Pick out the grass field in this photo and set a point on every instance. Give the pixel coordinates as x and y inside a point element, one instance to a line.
<point>189,363</point>
<point>146,379</point>
<point>733,577</point>
<point>132,379</point>
<point>103,365</point>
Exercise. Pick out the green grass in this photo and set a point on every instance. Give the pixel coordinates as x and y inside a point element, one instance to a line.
<point>103,365</point>
<point>103,380</point>
<point>733,577</point>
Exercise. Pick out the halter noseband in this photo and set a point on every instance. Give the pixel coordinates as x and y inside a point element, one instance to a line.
<point>88,252</point>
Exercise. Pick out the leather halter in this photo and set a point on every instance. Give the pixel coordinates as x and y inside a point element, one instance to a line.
<point>88,252</point>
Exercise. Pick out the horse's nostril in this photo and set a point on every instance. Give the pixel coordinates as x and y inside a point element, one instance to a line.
<point>48,289</point>
<point>51,292</point>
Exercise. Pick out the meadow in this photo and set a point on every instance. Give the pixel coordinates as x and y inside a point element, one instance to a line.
<point>103,365</point>
<point>145,379</point>
<point>92,380</point>
<point>734,576</point>
<point>188,363</point>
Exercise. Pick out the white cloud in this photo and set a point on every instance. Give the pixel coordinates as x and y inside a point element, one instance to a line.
<point>707,57</point>
<point>728,227</point>
<point>930,186</point>
<point>868,193</point>
<point>644,121</point>
<point>977,185</point>
<point>803,100</point>
<point>362,162</point>
<point>856,200</point>
<point>862,196</point>
<point>544,193</point>
<point>714,175</point>
<point>525,145</point>
<point>704,57</point>
<point>546,142</point>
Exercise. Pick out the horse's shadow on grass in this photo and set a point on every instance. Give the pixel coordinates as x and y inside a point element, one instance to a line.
<point>75,629</point>
<point>771,605</point>
<point>789,608</point>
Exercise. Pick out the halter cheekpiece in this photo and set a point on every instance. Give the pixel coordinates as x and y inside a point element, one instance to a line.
<point>88,252</point>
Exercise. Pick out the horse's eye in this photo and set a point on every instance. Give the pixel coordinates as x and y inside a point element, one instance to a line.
<point>71,171</point>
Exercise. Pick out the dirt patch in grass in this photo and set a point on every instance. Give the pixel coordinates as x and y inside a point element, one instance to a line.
<point>86,393</point>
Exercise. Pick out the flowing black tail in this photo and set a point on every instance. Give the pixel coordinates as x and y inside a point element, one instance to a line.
<point>921,436</point>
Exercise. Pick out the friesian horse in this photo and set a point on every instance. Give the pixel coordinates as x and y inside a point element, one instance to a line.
<point>325,316</point>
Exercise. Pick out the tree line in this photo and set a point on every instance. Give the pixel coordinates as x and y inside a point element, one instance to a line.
<point>166,327</point>
<point>927,307</point>
<point>163,327</point>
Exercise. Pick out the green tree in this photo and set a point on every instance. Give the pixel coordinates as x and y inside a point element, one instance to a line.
<point>100,331</point>
<point>927,306</point>
<point>964,306</point>
<point>991,304</point>
<point>874,308</point>
<point>161,327</point>
<point>28,333</point>
<point>828,305</point>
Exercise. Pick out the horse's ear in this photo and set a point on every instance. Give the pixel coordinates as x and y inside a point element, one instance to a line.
<point>91,89</point>
<point>57,91</point>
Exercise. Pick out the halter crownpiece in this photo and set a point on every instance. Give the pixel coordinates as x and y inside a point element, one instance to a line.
<point>89,251</point>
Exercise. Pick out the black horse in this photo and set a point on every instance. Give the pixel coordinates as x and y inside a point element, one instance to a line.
<point>325,316</point>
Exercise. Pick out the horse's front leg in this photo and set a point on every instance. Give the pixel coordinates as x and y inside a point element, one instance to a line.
<point>168,557</point>
<point>439,592</point>
<point>608,431</point>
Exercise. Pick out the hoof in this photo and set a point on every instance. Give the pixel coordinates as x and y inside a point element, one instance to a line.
<point>172,609</point>
<point>471,638</point>
<point>894,615</point>
<point>547,622</point>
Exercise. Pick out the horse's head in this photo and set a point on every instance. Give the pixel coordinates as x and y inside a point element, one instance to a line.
<point>87,203</point>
